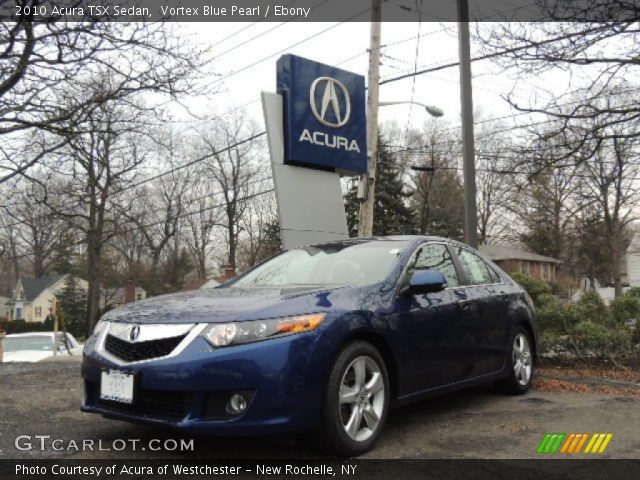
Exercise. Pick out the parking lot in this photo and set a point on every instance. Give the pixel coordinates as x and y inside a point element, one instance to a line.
<point>44,399</point>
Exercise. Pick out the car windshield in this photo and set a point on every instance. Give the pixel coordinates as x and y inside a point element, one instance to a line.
<point>336,264</point>
<point>36,342</point>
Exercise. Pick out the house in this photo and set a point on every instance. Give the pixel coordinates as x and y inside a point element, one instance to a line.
<point>34,298</point>
<point>211,282</point>
<point>631,263</point>
<point>116,297</point>
<point>4,307</point>
<point>512,259</point>
<point>630,267</point>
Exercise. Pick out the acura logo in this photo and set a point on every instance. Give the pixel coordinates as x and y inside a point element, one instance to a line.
<point>335,98</point>
<point>134,333</point>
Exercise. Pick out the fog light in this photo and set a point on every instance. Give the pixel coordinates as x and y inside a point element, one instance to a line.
<point>237,404</point>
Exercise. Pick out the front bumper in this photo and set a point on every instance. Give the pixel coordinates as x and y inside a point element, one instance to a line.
<point>284,379</point>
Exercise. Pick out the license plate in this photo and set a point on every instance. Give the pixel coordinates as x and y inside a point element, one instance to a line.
<point>116,386</point>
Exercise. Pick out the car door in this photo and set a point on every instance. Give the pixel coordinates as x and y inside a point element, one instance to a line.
<point>488,325</point>
<point>432,326</point>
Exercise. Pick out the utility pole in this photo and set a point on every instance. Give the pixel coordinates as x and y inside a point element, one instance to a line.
<point>367,187</point>
<point>468,148</point>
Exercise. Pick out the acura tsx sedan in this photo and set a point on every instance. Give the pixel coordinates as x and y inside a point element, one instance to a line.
<point>325,338</point>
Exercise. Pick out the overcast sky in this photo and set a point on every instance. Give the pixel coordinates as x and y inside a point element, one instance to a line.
<point>246,55</point>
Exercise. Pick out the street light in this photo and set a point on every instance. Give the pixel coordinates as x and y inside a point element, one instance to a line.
<point>366,187</point>
<point>431,110</point>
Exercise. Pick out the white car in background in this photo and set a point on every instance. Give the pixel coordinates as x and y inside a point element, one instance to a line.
<point>37,346</point>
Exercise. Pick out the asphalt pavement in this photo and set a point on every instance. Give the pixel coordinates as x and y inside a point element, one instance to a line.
<point>44,399</point>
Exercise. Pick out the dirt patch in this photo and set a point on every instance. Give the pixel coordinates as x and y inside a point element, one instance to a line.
<point>592,376</point>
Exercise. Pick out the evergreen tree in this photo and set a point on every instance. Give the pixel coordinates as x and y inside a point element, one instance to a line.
<point>174,271</point>
<point>391,215</point>
<point>352,207</point>
<point>272,240</point>
<point>63,253</point>
<point>73,306</point>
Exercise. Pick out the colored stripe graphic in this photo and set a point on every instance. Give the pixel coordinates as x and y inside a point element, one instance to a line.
<point>557,443</point>
<point>543,443</point>
<point>573,443</point>
<point>550,443</point>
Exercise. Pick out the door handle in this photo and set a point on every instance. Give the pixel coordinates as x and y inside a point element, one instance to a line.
<point>464,304</point>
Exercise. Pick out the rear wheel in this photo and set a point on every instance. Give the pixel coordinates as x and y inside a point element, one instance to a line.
<point>356,400</point>
<point>520,364</point>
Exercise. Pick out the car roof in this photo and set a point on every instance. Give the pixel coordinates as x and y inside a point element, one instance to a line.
<point>397,238</point>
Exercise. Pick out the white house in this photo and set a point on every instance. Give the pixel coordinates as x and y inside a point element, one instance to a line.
<point>632,261</point>
<point>630,273</point>
<point>4,307</point>
<point>34,298</point>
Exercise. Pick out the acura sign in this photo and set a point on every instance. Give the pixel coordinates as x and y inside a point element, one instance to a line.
<point>324,116</point>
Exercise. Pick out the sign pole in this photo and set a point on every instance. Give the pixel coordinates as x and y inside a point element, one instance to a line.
<point>368,180</point>
<point>1,345</point>
<point>55,332</point>
<point>468,148</point>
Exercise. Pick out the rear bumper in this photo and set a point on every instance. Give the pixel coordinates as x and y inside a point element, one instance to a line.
<point>283,378</point>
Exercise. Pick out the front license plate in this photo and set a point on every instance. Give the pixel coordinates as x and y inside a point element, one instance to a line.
<point>116,386</point>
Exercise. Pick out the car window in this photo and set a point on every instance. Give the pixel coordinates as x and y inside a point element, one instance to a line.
<point>495,278</point>
<point>35,342</point>
<point>434,256</point>
<point>474,267</point>
<point>336,263</point>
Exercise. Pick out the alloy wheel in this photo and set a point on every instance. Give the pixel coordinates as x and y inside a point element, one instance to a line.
<point>522,359</point>
<point>362,398</point>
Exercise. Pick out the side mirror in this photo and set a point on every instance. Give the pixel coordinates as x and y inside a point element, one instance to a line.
<point>426,281</point>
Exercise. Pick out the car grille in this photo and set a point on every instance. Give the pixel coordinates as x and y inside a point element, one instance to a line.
<point>156,404</point>
<point>133,352</point>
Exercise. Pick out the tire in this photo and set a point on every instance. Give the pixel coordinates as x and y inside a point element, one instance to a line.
<point>345,427</point>
<point>519,363</point>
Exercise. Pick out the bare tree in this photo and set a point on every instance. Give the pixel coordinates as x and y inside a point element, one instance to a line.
<point>38,229</point>
<point>258,222</point>
<point>611,185</point>
<point>39,60</point>
<point>597,44</point>
<point>494,183</point>
<point>200,223</point>
<point>232,166</point>
<point>156,215</point>
<point>106,145</point>
<point>437,187</point>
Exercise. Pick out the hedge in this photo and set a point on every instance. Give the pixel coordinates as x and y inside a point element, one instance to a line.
<point>587,327</point>
<point>20,326</point>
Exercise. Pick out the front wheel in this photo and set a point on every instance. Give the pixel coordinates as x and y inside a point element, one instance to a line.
<point>356,400</point>
<point>520,365</point>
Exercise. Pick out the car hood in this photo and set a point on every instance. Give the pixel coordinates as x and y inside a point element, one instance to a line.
<point>231,304</point>
<point>26,356</point>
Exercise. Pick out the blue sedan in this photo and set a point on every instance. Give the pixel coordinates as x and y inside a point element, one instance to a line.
<point>323,338</point>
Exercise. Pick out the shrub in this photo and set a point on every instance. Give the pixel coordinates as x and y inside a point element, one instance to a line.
<point>592,339</point>
<point>633,292</point>
<point>20,326</point>
<point>551,312</point>
<point>625,308</point>
<point>590,307</point>
<point>535,288</point>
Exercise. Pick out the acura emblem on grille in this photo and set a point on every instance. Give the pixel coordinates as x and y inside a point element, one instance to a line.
<point>134,333</point>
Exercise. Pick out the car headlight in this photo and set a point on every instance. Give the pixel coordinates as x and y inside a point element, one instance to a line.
<point>100,326</point>
<point>236,333</point>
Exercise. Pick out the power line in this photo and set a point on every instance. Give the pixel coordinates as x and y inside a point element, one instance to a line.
<point>484,57</point>
<point>237,32</point>
<point>152,224</point>
<point>162,174</point>
<point>415,64</point>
